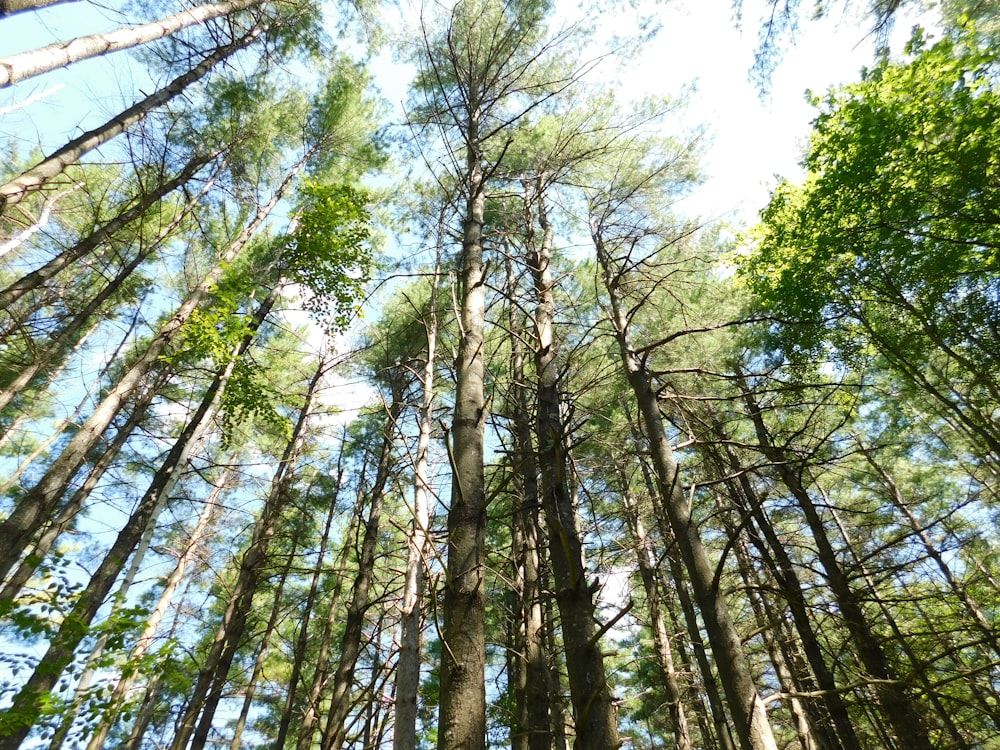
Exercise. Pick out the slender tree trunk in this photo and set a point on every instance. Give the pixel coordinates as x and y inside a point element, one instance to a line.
<point>558,720</point>
<point>335,732</point>
<point>462,714</point>
<point>15,68</point>
<point>191,443</point>
<point>646,559</point>
<point>40,501</point>
<point>56,163</point>
<point>207,690</point>
<point>972,608</point>
<point>745,704</point>
<point>119,694</point>
<point>30,700</point>
<point>593,703</point>
<point>265,638</point>
<point>918,673</point>
<point>321,674</point>
<point>532,729</point>
<point>720,732</point>
<point>404,735</point>
<point>767,626</point>
<point>82,248</point>
<point>64,425</point>
<point>838,732</point>
<point>303,637</point>
<point>49,534</point>
<point>902,715</point>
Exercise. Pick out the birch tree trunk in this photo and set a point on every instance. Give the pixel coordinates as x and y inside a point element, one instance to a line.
<point>10,7</point>
<point>24,65</point>
<point>404,734</point>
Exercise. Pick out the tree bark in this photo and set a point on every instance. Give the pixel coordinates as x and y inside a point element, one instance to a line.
<point>839,732</point>
<point>593,703</point>
<point>532,729</point>
<point>27,705</point>
<point>15,68</point>
<point>646,560</point>
<point>262,650</point>
<point>462,715</point>
<point>303,637</point>
<point>119,694</point>
<point>310,716</point>
<point>404,736</point>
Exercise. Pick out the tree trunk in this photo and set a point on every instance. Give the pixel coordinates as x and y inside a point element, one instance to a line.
<point>207,690</point>
<point>335,731</point>
<point>462,715</point>
<point>262,650</point>
<point>532,728</point>
<point>302,639</point>
<point>709,684</point>
<point>593,704</point>
<point>38,503</point>
<point>745,704</point>
<point>838,732</point>
<point>321,674</point>
<point>43,218</point>
<point>28,703</point>
<point>15,68</point>
<point>404,735</point>
<point>47,538</point>
<point>646,559</point>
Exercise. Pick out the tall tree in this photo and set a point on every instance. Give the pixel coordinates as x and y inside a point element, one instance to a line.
<point>481,71</point>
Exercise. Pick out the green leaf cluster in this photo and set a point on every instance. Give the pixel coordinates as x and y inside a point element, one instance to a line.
<point>891,243</point>
<point>330,252</point>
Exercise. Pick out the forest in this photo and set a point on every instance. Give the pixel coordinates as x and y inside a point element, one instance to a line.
<point>326,424</point>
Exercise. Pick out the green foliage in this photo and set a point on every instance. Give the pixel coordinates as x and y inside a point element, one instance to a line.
<point>330,252</point>
<point>214,332</point>
<point>891,244</point>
